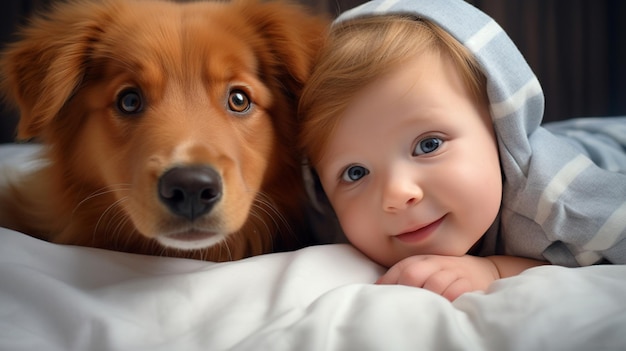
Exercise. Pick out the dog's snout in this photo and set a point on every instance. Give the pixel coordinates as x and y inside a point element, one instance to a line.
<point>190,191</point>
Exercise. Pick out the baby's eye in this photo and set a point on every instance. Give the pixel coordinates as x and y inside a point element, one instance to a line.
<point>427,145</point>
<point>354,173</point>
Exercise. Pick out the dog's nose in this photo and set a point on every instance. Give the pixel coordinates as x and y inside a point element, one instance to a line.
<point>190,191</point>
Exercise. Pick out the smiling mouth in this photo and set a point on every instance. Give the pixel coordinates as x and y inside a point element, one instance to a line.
<point>421,233</point>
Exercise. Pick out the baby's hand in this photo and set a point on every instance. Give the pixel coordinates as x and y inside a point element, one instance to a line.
<point>449,276</point>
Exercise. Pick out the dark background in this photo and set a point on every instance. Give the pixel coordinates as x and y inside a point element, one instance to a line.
<point>577,49</point>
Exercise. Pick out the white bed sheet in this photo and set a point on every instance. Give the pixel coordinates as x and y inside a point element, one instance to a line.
<point>71,298</point>
<point>55,297</point>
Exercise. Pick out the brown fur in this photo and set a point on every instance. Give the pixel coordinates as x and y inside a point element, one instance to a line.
<point>66,75</point>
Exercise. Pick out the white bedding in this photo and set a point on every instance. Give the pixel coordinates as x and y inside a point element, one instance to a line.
<point>55,297</point>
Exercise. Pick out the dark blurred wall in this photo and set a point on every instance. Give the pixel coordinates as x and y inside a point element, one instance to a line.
<point>13,13</point>
<point>577,48</point>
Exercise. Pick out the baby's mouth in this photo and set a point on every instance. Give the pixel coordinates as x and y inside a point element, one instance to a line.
<point>420,233</point>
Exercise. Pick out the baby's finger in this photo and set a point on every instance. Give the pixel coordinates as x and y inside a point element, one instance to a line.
<point>457,288</point>
<point>440,280</point>
<point>390,277</point>
<point>411,271</point>
<point>448,283</point>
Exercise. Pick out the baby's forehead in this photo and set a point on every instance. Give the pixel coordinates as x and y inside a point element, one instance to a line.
<point>408,82</point>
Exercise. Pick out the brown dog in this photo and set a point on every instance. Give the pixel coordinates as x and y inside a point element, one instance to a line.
<point>169,127</point>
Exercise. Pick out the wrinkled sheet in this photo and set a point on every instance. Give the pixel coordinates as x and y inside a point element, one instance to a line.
<point>55,297</point>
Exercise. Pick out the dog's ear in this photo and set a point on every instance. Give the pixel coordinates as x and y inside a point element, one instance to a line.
<point>293,36</point>
<point>41,70</point>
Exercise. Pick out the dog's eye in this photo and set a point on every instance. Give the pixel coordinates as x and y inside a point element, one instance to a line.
<point>129,101</point>
<point>238,101</point>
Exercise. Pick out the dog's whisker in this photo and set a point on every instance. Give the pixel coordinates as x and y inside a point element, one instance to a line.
<point>162,250</point>
<point>105,213</point>
<point>115,229</point>
<point>261,220</point>
<point>120,229</point>
<point>272,211</point>
<point>103,191</point>
<point>230,255</point>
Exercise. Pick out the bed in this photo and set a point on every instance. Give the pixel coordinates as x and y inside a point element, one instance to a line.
<point>55,297</point>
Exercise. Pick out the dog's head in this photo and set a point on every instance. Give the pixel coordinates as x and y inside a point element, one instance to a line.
<point>184,112</point>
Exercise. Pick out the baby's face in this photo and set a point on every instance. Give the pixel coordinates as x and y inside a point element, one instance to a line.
<point>413,166</point>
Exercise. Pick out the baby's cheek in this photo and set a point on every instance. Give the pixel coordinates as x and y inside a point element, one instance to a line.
<point>351,217</point>
<point>349,220</point>
<point>356,225</point>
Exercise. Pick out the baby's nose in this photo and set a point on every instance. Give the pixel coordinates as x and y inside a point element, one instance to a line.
<point>400,194</point>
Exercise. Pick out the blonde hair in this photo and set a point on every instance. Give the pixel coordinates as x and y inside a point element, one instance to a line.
<point>362,50</point>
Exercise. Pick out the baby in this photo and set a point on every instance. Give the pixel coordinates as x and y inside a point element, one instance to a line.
<point>422,122</point>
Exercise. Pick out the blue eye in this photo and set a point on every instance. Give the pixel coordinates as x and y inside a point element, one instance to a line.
<point>354,173</point>
<point>427,145</point>
<point>130,101</point>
